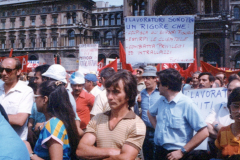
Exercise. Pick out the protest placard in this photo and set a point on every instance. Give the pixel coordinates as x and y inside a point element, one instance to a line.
<point>206,100</point>
<point>88,57</point>
<point>70,64</point>
<point>46,58</point>
<point>159,39</point>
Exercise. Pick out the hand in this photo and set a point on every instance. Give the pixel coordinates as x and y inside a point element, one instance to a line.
<point>28,147</point>
<point>175,155</point>
<point>139,99</point>
<point>37,126</point>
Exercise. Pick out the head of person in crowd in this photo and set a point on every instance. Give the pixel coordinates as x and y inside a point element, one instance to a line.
<point>39,70</point>
<point>222,76</point>
<point>189,80</point>
<point>218,81</point>
<point>169,80</point>
<point>56,72</point>
<point>30,76</point>
<point>234,104</point>
<point>121,89</point>
<point>206,80</point>
<point>232,84</point>
<point>140,71</point>
<point>77,82</point>
<point>105,74</point>
<point>23,77</point>
<point>90,81</point>
<point>195,81</point>
<point>150,77</point>
<point>53,101</point>
<point>232,77</point>
<point>10,70</point>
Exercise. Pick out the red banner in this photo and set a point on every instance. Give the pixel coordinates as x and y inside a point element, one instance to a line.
<point>113,65</point>
<point>100,64</point>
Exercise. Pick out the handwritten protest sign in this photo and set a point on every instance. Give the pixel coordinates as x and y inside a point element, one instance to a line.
<point>47,58</point>
<point>206,100</point>
<point>70,64</point>
<point>88,57</point>
<point>159,39</point>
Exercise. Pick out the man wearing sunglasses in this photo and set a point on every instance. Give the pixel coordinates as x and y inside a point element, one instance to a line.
<point>15,96</point>
<point>140,79</point>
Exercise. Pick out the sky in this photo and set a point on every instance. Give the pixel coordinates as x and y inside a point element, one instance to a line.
<point>112,2</point>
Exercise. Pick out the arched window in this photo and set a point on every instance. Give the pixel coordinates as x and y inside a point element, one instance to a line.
<point>135,9</point>
<point>119,19</point>
<point>236,12</point>
<point>71,38</point>
<point>120,37</point>
<point>96,38</point>
<point>99,20</point>
<point>142,9</point>
<point>106,20</point>
<point>108,39</point>
<point>112,19</point>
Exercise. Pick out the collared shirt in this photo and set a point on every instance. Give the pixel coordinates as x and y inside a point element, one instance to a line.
<point>84,105</point>
<point>73,103</point>
<point>176,121</point>
<point>19,99</point>
<point>220,113</point>
<point>130,130</point>
<point>146,102</point>
<point>96,91</point>
<point>100,104</point>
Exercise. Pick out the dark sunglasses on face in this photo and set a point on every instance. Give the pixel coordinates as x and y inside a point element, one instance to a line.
<point>8,70</point>
<point>139,72</point>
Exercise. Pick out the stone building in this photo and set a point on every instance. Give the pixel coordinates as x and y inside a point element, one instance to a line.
<point>217,32</point>
<point>58,27</point>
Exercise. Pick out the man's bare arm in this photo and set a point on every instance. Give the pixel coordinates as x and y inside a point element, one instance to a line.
<point>128,152</point>
<point>152,119</point>
<point>212,131</point>
<point>18,119</point>
<point>87,150</point>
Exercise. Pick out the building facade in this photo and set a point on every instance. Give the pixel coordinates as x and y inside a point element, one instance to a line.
<point>58,27</point>
<point>217,34</point>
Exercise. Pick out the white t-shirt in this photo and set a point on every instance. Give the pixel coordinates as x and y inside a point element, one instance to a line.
<point>95,91</point>
<point>19,99</point>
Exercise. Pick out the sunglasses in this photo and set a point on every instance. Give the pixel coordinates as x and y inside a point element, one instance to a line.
<point>8,70</point>
<point>139,72</point>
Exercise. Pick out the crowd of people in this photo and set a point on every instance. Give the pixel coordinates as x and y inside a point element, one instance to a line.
<point>117,115</point>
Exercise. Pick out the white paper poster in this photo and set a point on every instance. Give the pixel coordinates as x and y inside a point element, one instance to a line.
<point>47,58</point>
<point>70,64</point>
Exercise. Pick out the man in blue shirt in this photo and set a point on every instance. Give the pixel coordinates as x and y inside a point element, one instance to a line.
<point>149,96</point>
<point>174,117</point>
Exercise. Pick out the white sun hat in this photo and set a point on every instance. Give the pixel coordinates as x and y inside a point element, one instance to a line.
<point>56,72</point>
<point>77,78</point>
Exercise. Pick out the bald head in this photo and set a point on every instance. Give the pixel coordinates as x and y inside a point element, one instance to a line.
<point>233,84</point>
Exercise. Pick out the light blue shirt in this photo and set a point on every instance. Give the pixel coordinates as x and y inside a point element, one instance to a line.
<point>146,102</point>
<point>176,121</point>
<point>37,116</point>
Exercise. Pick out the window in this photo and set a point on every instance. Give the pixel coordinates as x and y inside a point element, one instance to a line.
<point>112,19</point>
<point>237,37</point>
<point>71,38</point>
<point>73,7</point>
<point>135,9</point>
<point>3,25</point>
<point>54,9</point>
<point>22,43</point>
<point>74,17</point>
<point>12,24</point>
<point>68,18</point>
<point>93,20</point>
<point>3,14</point>
<point>236,12</point>
<point>13,13</point>
<point>142,9</point>
<point>33,43</point>
<point>3,44</point>
<point>119,19</point>
<point>99,20</point>
<point>54,20</point>
<point>22,23</point>
<point>108,39</point>
<point>211,6</point>
<point>12,44</point>
<point>68,8</point>
<point>33,11</point>
<point>43,21</point>
<point>120,37</point>
<point>96,38</point>
<point>43,42</point>
<point>106,20</point>
<point>33,22</point>
<point>55,42</point>
<point>44,10</point>
<point>23,12</point>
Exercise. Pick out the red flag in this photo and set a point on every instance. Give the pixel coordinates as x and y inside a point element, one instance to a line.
<point>122,54</point>
<point>24,61</point>
<point>158,67</point>
<point>10,54</point>
<point>55,59</point>
<point>113,65</point>
<point>100,64</point>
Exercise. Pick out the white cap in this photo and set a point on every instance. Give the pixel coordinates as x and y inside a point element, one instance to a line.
<point>77,78</point>
<point>57,72</point>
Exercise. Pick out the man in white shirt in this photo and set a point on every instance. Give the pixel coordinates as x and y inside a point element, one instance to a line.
<point>15,97</point>
<point>91,84</point>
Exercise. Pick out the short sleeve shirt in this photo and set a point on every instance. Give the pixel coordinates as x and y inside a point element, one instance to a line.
<point>37,116</point>
<point>19,99</point>
<point>176,121</point>
<point>130,130</point>
<point>54,128</point>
